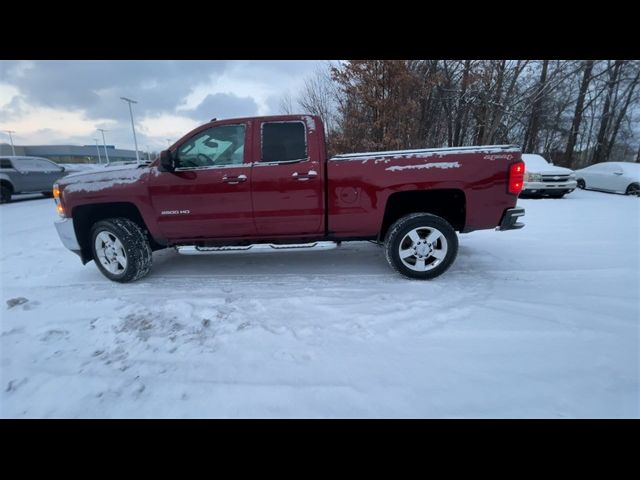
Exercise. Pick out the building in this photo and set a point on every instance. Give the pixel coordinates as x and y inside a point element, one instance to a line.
<point>73,153</point>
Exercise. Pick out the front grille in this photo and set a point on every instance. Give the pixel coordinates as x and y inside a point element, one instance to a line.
<point>555,178</point>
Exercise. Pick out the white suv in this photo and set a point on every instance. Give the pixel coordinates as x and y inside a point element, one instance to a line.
<point>542,178</point>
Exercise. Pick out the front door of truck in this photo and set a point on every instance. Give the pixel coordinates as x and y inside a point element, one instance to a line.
<point>286,181</point>
<point>208,195</point>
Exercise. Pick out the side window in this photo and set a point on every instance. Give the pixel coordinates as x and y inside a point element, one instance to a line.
<point>5,163</point>
<point>47,165</point>
<point>283,141</point>
<point>36,165</point>
<point>217,146</point>
<point>607,168</point>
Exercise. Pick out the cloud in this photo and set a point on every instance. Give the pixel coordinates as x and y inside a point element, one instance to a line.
<point>224,105</point>
<point>171,95</point>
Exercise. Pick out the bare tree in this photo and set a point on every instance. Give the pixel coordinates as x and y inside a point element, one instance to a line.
<point>628,95</point>
<point>571,111</point>
<point>286,104</point>
<point>319,97</point>
<point>577,117</point>
<point>612,83</point>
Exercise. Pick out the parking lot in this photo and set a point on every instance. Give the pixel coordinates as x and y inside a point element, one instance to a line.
<point>538,322</point>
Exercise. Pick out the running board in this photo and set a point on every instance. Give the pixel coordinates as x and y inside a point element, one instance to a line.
<point>258,247</point>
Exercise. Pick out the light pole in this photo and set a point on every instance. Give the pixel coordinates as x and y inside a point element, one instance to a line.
<point>148,153</point>
<point>168,142</point>
<point>135,141</point>
<point>104,142</point>
<point>98,149</point>
<point>11,140</point>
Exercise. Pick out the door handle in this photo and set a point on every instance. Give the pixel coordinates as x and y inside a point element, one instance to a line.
<point>303,177</point>
<point>234,180</point>
<point>618,173</point>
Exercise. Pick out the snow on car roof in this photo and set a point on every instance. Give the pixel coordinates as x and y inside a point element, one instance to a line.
<point>534,159</point>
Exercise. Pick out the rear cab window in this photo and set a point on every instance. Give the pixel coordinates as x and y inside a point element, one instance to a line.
<point>283,142</point>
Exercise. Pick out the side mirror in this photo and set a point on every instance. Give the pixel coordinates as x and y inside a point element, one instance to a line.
<point>166,161</point>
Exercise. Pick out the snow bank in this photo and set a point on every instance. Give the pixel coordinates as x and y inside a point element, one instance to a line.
<point>539,322</point>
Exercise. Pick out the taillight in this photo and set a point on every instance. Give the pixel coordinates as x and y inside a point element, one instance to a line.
<point>516,178</point>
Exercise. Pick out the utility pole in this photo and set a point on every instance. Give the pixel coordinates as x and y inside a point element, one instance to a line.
<point>98,148</point>
<point>104,142</point>
<point>11,140</point>
<point>135,141</point>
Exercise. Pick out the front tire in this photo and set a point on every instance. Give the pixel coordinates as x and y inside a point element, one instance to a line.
<point>421,246</point>
<point>5,194</point>
<point>120,249</point>
<point>581,184</point>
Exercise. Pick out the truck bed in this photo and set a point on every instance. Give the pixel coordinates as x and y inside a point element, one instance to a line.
<point>359,183</point>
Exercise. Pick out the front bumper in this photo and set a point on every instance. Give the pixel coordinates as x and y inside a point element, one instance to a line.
<point>510,219</point>
<point>67,234</point>
<point>549,187</point>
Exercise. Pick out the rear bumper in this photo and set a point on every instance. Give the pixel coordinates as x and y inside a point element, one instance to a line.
<point>510,219</point>
<point>67,234</point>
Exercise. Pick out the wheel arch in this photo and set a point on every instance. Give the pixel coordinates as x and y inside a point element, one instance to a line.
<point>85,216</point>
<point>636,184</point>
<point>449,204</point>
<point>5,181</point>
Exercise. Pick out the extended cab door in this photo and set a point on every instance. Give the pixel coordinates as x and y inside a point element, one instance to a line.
<point>208,196</point>
<point>287,179</point>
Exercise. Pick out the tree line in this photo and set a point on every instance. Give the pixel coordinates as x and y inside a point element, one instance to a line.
<point>573,112</point>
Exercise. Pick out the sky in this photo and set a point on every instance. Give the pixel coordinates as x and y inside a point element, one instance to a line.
<point>64,102</point>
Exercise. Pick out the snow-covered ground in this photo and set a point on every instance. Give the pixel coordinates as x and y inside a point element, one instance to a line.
<point>540,322</point>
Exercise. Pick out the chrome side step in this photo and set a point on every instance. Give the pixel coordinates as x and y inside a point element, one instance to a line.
<point>258,247</point>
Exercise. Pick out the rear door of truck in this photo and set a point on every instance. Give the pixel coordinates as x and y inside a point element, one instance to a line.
<point>287,180</point>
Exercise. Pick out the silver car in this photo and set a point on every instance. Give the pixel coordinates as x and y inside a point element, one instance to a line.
<point>27,175</point>
<point>617,177</point>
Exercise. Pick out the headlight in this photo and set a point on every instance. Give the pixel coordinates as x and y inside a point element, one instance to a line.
<point>532,177</point>
<point>58,200</point>
<point>572,176</point>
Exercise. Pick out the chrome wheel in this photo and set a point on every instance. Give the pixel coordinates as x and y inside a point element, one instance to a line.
<point>423,249</point>
<point>110,252</point>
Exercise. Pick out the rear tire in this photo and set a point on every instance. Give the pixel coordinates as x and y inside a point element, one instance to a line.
<point>5,194</point>
<point>633,189</point>
<point>120,249</point>
<point>428,245</point>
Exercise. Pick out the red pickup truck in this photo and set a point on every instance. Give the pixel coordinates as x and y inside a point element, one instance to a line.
<point>234,183</point>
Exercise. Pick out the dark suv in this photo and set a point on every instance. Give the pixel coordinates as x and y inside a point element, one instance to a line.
<point>27,175</point>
